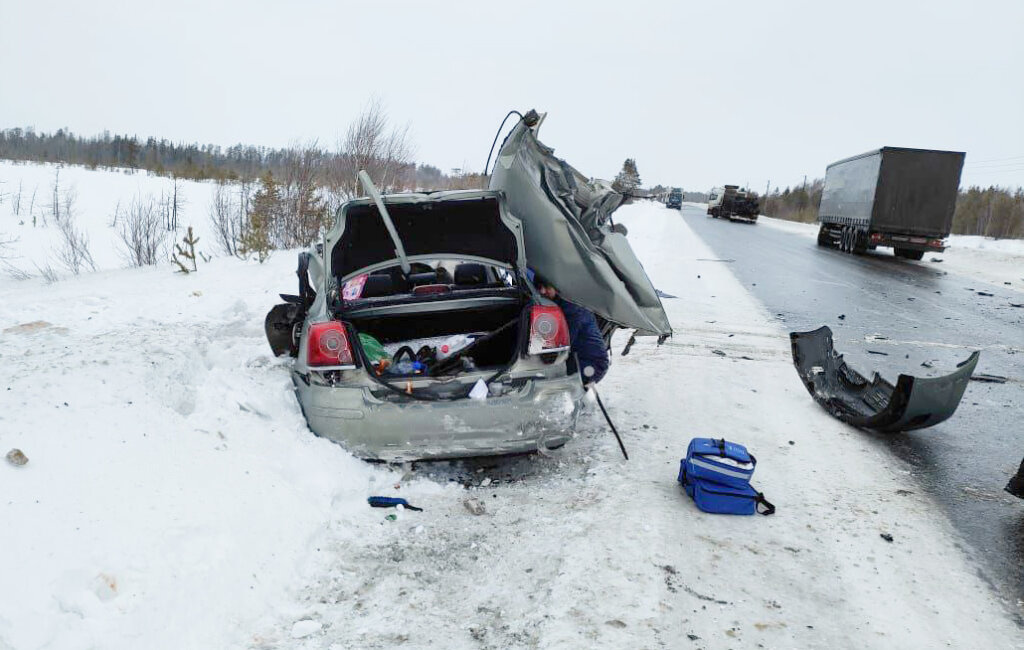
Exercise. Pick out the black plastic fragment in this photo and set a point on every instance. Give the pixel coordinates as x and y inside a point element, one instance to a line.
<point>913,403</point>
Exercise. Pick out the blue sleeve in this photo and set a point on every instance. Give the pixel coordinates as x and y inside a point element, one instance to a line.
<point>586,341</point>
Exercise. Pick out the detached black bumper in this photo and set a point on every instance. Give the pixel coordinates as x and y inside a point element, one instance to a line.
<point>913,403</point>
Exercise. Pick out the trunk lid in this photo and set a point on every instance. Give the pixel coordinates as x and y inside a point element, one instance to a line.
<point>467,225</point>
<point>569,234</point>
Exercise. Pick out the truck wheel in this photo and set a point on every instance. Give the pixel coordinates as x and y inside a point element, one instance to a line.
<point>844,240</point>
<point>823,238</point>
<point>860,243</point>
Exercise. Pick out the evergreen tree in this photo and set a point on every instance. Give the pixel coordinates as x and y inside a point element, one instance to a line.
<point>264,211</point>
<point>628,179</point>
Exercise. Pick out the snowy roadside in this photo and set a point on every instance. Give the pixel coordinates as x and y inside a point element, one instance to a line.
<point>583,549</point>
<point>174,497</point>
<point>999,262</point>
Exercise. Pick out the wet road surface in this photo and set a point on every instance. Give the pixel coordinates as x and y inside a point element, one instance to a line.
<point>898,314</point>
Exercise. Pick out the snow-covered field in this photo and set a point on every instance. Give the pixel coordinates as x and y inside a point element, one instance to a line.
<point>174,497</point>
<point>996,261</point>
<point>26,209</point>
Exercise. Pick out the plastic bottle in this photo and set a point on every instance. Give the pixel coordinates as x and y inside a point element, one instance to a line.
<point>453,344</point>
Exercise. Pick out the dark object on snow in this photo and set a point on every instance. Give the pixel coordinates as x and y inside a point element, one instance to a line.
<point>884,354</point>
<point>989,379</point>
<point>16,457</point>
<point>391,502</point>
<point>986,294</point>
<point>662,294</point>
<point>842,316</point>
<point>1013,304</point>
<point>886,536</point>
<point>610,423</point>
<point>1016,484</point>
<point>913,403</point>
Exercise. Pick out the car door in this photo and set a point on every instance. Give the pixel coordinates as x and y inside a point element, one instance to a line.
<point>570,238</point>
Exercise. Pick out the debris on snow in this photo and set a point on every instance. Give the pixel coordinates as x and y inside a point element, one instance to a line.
<point>475,506</point>
<point>886,536</point>
<point>989,379</point>
<point>16,457</point>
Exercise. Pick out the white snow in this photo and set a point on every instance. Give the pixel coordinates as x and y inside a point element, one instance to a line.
<point>995,261</point>
<point>98,194</point>
<point>175,498</point>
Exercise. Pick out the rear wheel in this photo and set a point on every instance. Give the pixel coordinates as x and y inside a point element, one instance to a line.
<point>823,236</point>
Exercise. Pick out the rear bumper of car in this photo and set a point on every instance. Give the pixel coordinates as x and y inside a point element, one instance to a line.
<point>540,414</point>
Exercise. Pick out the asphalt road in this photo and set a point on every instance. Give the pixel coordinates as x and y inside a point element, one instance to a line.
<point>913,312</point>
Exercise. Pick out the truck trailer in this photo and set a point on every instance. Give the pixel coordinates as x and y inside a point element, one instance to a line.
<point>893,196</point>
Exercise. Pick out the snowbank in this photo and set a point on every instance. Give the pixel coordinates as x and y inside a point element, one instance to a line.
<point>175,498</point>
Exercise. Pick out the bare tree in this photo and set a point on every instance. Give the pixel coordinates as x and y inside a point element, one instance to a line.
<point>32,205</point>
<point>74,251</point>
<point>303,213</point>
<point>385,153</point>
<point>177,201</point>
<point>227,228</point>
<point>142,233</point>
<point>16,200</point>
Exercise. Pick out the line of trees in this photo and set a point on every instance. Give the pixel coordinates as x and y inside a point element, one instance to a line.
<point>370,143</point>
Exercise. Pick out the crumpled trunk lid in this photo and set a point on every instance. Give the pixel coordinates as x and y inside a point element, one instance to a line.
<point>569,238</point>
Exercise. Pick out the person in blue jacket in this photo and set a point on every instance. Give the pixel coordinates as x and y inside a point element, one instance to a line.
<point>585,340</point>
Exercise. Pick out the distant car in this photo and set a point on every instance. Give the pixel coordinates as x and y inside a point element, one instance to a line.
<point>733,203</point>
<point>675,199</point>
<point>417,334</point>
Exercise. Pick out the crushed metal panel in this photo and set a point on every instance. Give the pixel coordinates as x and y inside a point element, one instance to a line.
<point>913,403</point>
<point>569,237</point>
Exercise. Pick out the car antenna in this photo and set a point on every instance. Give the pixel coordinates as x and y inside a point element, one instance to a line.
<point>371,189</point>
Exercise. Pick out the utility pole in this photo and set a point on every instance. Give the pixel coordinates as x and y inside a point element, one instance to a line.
<point>768,187</point>
<point>805,182</point>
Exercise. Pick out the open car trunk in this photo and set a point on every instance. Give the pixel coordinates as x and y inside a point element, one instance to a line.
<point>494,331</point>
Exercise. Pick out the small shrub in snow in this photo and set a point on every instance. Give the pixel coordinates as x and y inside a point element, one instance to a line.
<point>185,256</point>
<point>142,232</point>
<point>74,252</point>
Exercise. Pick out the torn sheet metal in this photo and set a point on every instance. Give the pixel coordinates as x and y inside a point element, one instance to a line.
<point>571,240</point>
<point>913,403</point>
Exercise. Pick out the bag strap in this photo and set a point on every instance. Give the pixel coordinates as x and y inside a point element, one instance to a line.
<point>721,447</point>
<point>769,509</point>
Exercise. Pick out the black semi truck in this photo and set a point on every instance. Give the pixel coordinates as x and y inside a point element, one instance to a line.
<point>897,197</point>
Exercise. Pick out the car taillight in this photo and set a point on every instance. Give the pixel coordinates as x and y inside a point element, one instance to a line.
<point>876,237</point>
<point>548,330</point>
<point>328,345</point>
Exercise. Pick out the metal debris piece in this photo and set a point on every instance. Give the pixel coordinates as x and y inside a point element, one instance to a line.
<point>912,403</point>
<point>989,379</point>
<point>16,457</point>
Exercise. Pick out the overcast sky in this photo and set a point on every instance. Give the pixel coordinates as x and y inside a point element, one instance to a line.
<point>700,94</point>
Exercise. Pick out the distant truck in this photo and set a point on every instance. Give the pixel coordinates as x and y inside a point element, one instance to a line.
<point>733,203</point>
<point>897,197</point>
<point>675,199</point>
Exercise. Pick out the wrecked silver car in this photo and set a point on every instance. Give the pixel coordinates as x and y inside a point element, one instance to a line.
<point>417,335</point>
